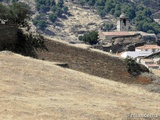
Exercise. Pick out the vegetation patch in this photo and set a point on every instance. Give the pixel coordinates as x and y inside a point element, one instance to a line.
<point>16,16</point>
<point>49,9</point>
<point>134,68</point>
<point>27,43</point>
<point>90,37</point>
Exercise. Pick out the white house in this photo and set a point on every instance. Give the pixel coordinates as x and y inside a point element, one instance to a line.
<point>135,54</point>
<point>149,63</point>
<point>151,48</point>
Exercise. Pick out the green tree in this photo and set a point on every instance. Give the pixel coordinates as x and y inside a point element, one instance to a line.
<point>158,35</point>
<point>65,9</point>
<point>82,2</point>
<point>102,13</point>
<point>37,19</point>
<point>19,13</point>
<point>52,17</point>
<point>42,24</point>
<point>60,3</point>
<point>100,2</point>
<point>3,12</point>
<point>54,8</point>
<point>59,12</point>
<point>90,37</point>
<point>107,27</point>
<point>150,31</point>
<point>91,2</point>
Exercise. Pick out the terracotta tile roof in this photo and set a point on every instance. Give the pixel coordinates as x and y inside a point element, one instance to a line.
<point>147,60</point>
<point>148,47</point>
<point>152,65</point>
<point>120,33</point>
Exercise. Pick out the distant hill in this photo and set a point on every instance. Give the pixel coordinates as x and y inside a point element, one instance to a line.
<point>66,20</point>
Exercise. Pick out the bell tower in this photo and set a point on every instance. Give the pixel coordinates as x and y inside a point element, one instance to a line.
<point>123,23</point>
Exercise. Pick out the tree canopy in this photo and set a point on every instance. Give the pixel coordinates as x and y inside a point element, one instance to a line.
<point>55,9</point>
<point>16,13</point>
<point>90,37</point>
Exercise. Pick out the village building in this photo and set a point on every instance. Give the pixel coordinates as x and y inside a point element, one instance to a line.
<point>151,48</point>
<point>123,30</point>
<point>123,23</point>
<point>135,54</point>
<point>149,63</point>
<point>130,44</point>
<point>107,36</point>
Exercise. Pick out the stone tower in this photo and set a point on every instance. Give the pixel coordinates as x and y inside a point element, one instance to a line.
<point>123,23</point>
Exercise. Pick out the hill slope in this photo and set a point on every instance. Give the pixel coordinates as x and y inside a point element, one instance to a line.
<point>81,18</point>
<point>34,89</point>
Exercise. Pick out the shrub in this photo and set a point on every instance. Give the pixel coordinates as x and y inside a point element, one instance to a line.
<point>90,37</point>
<point>134,68</point>
<point>42,24</point>
<point>27,43</point>
<point>53,17</point>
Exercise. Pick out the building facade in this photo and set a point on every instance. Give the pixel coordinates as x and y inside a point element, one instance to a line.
<point>135,54</point>
<point>123,23</point>
<point>151,48</point>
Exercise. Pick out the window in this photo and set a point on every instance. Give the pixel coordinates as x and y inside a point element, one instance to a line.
<point>153,50</point>
<point>124,22</point>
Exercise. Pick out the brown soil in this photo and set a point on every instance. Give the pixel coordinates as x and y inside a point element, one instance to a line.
<point>144,80</point>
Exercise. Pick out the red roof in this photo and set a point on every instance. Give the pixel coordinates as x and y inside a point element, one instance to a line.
<point>152,65</point>
<point>148,47</point>
<point>147,60</point>
<point>120,33</point>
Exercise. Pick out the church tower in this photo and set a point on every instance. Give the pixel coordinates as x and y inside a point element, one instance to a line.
<point>123,23</point>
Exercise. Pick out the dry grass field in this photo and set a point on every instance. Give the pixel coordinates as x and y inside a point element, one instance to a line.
<point>156,72</point>
<point>39,90</point>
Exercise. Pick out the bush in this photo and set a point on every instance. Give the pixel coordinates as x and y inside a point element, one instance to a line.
<point>107,27</point>
<point>65,9</point>
<point>16,13</point>
<point>42,24</point>
<point>134,68</point>
<point>90,37</point>
<point>53,17</point>
<point>27,43</point>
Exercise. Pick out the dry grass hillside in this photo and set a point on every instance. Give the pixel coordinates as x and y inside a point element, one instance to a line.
<point>39,90</point>
<point>95,62</point>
